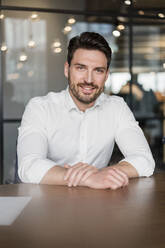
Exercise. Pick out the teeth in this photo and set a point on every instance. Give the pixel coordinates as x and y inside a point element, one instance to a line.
<point>88,88</point>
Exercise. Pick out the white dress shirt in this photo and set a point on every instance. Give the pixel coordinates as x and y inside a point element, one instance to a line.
<point>55,132</point>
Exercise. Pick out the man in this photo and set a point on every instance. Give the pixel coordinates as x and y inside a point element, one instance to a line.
<point>67,138</point>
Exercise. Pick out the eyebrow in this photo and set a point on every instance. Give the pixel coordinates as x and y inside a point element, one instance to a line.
<point>101,67</point>
<point>98,67</point>
<point>79,64</point>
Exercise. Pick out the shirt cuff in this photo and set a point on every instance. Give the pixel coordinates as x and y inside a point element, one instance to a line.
<point>143,166</point>
<point>34,172</point>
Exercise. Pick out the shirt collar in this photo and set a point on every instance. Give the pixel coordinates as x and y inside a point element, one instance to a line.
<point>69,101</point>
<point>70,104</point>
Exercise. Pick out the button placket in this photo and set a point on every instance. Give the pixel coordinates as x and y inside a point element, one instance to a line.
<point>83,138</point>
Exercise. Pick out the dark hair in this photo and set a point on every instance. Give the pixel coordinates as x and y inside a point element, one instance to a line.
<point>91,41</point>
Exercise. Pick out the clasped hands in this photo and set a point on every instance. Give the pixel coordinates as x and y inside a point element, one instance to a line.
<point>82,174</point>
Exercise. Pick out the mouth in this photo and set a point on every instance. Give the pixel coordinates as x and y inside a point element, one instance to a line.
<point>87,89</point>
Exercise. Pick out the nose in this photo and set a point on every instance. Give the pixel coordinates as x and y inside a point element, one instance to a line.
<point>89,77</point>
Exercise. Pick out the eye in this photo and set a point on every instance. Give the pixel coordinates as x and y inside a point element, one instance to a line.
<point>80,67</point>
<point>100,70</point>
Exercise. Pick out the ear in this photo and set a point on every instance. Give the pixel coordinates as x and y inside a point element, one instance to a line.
<point>66,69</point>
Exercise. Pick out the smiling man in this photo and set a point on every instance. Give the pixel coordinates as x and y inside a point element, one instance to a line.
<point>67,138</point>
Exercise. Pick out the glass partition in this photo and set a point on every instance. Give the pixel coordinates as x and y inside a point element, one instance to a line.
<point>148,87</point>
<point>34,48</point>
<point>34,54</point>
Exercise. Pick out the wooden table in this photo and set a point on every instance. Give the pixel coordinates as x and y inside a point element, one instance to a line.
<point>59,217</point>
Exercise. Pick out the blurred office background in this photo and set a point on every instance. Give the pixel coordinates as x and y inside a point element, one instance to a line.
<point>33,40</point>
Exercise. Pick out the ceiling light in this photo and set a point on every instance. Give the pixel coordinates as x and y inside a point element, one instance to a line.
<point>4,47</point>
<point>127,2</point>
<point>2,16</point>
<point>31,44</point>
<point>141,12</point>
<point>121,19</point>
<point>116,33</point>
<point>71,20</point>
<point>56,43</point>
<point>57,50</point>
<point>120,27</point>
<point>67,29</point>
<point>23,57</point>
<point>161,15</point>
<point>34,17</point>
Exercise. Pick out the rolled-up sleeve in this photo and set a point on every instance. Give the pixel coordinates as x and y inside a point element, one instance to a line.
<point>32,146</point>
<point>133,144</point>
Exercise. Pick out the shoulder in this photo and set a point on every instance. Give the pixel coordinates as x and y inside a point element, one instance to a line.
<point>112,101</point>
<point>52,98</point>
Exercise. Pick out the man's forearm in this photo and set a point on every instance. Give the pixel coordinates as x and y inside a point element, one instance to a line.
<point>55,176</point>
<point>127,168</point>
<point>69,175</point>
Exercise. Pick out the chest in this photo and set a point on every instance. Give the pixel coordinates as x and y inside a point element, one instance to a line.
<point>73,128</point>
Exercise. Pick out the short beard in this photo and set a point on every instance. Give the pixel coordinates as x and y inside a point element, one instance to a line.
<point>80,98</point>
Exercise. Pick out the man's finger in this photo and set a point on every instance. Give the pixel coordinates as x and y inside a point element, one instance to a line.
<point>116,178</point>
<point>124,176</point>
<point>119,176</point>
<point>89,173</point>
<point>76,173</point>
<point>84,174</point>
<point>71,169</point>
